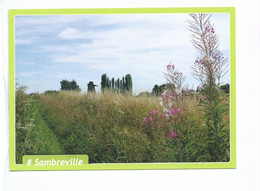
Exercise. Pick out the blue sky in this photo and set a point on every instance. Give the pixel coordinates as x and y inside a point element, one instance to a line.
<point>49,49</point>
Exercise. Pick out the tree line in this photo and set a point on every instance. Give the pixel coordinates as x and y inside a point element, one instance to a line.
<point>157,90</point>
<point>122,85</point>
<point>69,85</point>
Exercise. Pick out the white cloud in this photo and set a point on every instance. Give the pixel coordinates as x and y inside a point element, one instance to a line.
<point>23,41</point>
<point>27,74</point>
<point>140,48</point>
<point>143,46</point>
<point>118,44</point>
<point>29,20</point>
<point>69,33</point>
<point>28,64</point>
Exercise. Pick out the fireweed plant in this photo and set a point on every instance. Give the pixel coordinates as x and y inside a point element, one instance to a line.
<point>170,125</point>
<point>174,125</point>
<point>209,68</point>
<point>171,101</point>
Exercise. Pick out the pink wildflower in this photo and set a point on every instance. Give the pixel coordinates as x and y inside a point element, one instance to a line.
<point>169,96</point>
<point>177,110</point>
<point>168,66</point>
<point>175,134</point>
<point>151,119</point>
<point>145,119</point>
<point>218,90</point>
<point>173,67</point>
<point>171,134</point>
<point>172,111</point>
<point>154,112</point>
<point>163,114</point>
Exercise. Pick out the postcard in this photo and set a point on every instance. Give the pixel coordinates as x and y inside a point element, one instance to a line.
<point>131,88</point>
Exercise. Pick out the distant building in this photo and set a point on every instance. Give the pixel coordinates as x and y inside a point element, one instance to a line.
<point>91,87</point>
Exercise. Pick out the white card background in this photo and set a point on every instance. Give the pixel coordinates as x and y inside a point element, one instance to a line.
<point>247,174</point>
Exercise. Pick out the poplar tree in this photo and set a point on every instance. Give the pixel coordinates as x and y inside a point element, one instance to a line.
<point>103,82</point>
<point>128,81</point>
<point>113,83</point>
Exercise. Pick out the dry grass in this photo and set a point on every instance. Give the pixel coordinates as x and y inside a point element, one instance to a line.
<point>109,127</point>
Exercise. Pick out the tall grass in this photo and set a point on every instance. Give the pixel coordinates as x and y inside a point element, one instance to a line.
<point>32,134</point>
<point>109,128</point>
<point>117,127</point>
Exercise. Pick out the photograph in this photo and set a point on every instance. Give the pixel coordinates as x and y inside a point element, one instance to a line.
<point>124,88</point>
<point>161,94</point>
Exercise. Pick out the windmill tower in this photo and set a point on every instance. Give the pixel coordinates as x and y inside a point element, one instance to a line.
<point>91,87</point>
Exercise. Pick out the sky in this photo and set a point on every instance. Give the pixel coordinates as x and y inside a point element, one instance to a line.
<point>51,48</point>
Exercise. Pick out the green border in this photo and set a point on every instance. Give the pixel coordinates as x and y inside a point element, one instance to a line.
<point>12,13</point>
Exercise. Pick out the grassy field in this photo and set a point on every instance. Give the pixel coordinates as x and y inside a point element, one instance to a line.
<point>112,128</point>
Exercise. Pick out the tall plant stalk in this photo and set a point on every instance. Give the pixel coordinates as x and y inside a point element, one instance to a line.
<point>209,68</point>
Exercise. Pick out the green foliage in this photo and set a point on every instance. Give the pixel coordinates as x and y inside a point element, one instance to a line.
<point>118,84</point>
<point>107,82</point>
<point>67,85</point>
<point>113,83</point>
<point>103,81</point>
<point>51,92</point>
<point>214,109</point>
<point>225,88</point>
<point>32,134</point>
<point>209,68</point>
<point>109,128</point>
<point>128,83</point>
<point>123,85</point>
<point>21,103</point>
<point>74,86</point>
<point>157,90</point>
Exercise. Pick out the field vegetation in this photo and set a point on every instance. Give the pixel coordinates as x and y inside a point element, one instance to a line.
<point>113,126</point>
